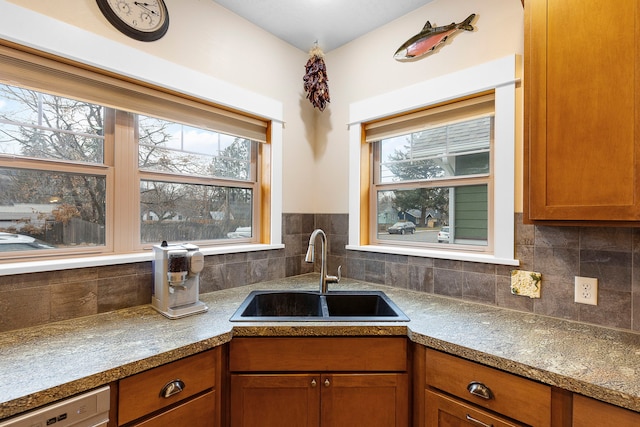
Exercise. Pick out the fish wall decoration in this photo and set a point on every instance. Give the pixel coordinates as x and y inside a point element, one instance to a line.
<point>430,38</point>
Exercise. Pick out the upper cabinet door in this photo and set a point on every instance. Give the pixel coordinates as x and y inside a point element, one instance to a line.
<point>582,110</point>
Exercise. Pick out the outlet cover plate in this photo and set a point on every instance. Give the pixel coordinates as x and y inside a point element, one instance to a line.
<point>586,290</point>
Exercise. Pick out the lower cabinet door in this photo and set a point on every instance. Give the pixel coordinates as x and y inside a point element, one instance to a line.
<point>313,400</point>
<point>365,400</point>
<point>198,412</point>
<point>275,400</point>
<point>589,412</point>
<point>444,411</point>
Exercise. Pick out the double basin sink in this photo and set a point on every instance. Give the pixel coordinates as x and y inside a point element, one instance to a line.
<point>296,306</point>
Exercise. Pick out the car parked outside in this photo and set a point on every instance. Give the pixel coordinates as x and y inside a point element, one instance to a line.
<point>402,227</point>
<point>240,233</point>
<point>443,235</point>
<point>10,242</point>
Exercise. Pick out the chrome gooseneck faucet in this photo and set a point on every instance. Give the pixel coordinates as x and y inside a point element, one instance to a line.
<point>310,257</point>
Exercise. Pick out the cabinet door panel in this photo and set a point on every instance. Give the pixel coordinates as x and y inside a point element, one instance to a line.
<point>582,101</point>
<point>275,400</point>
<point>444,411</point>
<point>589,412</point>
<point>365,400</point>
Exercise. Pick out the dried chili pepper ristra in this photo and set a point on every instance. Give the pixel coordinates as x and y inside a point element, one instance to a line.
<point>316,82</point>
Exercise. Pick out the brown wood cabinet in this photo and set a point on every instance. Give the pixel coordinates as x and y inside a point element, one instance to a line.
<point>582,111</point>
<point>458,392</point>
<point>184,393</point>
<point>319,382</point>
<point>589,412</point>
<point>350,382</point>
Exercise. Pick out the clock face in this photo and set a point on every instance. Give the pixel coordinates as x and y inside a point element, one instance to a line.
<point>146,20</point>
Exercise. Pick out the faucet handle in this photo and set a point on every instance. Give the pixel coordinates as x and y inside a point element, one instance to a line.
<point>335,279</point>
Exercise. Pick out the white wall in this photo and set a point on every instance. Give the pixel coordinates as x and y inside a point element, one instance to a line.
<point>210,39</point>
<point>366,67</point>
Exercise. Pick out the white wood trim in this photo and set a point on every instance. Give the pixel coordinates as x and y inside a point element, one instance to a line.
<point>49,35</point>
<point>276,182</point>
<point>451,86</point>
<point>504,172</point>
<point>434,253</point>
<point>103,260</point>
<point>354,183</point>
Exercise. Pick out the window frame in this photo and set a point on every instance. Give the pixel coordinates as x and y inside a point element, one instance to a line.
<point>500,76</point>
<point>267,234</point>
<point>425,121</point>
<point>138,174</point>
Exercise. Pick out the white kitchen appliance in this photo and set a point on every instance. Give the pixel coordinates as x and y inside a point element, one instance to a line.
<point>90,409</point>
<point>176,280</point>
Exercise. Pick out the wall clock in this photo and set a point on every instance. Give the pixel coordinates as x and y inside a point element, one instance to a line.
<point>146,20</point>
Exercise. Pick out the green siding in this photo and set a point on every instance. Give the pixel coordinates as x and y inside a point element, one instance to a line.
<point>471,212</point>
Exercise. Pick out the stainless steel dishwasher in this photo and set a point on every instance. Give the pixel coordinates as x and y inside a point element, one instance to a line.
<point>90,409</point>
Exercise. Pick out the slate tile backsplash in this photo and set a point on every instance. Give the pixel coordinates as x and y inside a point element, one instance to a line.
<point>610,254</point>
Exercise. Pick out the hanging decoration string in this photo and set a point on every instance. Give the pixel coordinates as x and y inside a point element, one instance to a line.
<point>316,82</point>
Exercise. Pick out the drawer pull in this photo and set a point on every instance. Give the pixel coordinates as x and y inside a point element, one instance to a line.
<point>480,423</point>
<point>172,388</point>
<point>478,389</point>
<point>313,383</point>
<point>327,383</point>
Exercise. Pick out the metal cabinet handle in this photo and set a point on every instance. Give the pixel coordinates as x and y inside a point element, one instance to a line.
<point>313,383</point>
<point>172,388</point>
<point>327,383</point>
<point>480,423</point>
<point>478,389</point>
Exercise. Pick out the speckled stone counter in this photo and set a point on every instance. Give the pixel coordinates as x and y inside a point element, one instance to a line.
<point>43,364</point>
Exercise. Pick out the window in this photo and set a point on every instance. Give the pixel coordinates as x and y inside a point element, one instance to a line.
<point>431,170</point>
<point>90,164</point>
<point>54,183</point>
<point>216,205</point>
<point>436,161</point>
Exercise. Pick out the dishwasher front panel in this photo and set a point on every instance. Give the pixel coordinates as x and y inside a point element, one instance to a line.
<point>90,409</point>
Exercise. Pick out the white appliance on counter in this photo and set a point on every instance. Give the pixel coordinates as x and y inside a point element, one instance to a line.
<point>176,280</point>
<point>89,409</point>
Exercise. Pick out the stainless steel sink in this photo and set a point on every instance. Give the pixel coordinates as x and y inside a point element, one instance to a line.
<point>299,306</point>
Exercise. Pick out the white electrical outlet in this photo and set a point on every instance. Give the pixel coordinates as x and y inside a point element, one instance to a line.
<point>586,290</point>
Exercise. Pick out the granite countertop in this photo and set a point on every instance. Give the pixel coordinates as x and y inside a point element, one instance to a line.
<point>43,364</point>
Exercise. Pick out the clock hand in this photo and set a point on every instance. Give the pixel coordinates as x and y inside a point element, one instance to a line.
<point>144,6</point>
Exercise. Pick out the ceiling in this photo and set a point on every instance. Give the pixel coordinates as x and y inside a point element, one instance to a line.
<point>330,23</point>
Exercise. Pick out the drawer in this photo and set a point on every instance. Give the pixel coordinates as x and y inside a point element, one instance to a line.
<point>318,354</point>
<point>197,412</point>
<point>513,396</point>
<point>142,394</point>
<point>444,410</point>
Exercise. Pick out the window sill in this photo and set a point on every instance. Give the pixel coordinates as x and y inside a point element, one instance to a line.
<point>104,260</point>
<point>439,254</point>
